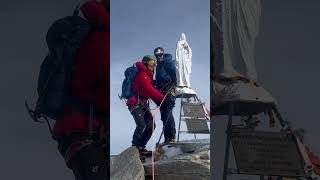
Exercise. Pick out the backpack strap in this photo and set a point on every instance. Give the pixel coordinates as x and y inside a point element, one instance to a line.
<point>91,111</point>
<point>90,120</point>
<point>101,118</point>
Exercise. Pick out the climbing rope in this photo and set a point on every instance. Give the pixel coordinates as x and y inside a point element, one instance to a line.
<point>154,113</point>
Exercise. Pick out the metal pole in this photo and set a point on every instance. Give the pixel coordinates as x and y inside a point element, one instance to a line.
<point>180,119</point>
<point>282,122</point>
<point>227,151</point>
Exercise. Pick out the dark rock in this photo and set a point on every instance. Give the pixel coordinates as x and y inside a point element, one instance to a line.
<point>127,166</point>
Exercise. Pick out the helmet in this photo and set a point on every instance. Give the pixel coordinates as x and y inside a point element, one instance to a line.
<point>158,51</point>
<point>149,60</point>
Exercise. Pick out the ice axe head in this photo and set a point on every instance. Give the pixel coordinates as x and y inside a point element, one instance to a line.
<point>32,113</point>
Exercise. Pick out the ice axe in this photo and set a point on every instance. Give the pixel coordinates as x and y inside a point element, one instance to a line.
<point>35,115</point>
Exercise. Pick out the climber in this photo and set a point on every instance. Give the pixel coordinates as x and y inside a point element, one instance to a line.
<point>165,82</point>
<point>81,139</point>
<point>138,105</point>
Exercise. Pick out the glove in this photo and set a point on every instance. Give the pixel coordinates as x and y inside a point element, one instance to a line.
<point>172,92</point>
<point>169,89</point>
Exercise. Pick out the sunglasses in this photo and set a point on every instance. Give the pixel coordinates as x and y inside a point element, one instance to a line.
<point>159,55</point>
<point>152,62</point>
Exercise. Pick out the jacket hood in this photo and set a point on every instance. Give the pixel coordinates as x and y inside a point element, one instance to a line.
<point>95,13</point>
<point>144,68</point>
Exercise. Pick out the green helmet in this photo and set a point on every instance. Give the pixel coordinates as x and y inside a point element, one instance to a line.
<point>149,59</point>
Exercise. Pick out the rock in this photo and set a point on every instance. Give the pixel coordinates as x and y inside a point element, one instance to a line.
<point>127,165</point>
<point>179,170</point>
<point>188,160</point>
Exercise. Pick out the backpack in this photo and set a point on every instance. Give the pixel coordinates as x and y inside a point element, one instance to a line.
<point>127,84</point>
<point>64,39</point>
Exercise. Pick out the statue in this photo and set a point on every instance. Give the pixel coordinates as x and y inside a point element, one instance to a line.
<point>235,77</point>
<point>239,23</point>
<point>183,66</point>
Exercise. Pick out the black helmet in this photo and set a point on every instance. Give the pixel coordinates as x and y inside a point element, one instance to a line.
<point>158,51</point>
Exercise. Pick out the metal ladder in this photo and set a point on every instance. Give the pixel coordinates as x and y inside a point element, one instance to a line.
<point>193,112</point>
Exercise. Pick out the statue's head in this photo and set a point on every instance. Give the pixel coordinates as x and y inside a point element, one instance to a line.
<point>183,37</point>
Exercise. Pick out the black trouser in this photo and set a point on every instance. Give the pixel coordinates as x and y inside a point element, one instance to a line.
<point>144,120</point>
<point>169,126</point>
<point>90,162</point>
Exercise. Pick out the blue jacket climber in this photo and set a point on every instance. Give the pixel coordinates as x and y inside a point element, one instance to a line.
<point>166,81</point>
<point>166,71</point>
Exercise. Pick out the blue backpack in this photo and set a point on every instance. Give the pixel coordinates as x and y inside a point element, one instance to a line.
<point>64,39</point>
<point>127,84</point>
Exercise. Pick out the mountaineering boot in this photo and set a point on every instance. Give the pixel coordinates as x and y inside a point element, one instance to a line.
<point>142,159</point>
<point>144,152</point>
<point>170,141</point>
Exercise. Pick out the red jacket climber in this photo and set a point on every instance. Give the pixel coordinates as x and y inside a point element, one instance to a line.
<point>143,86</point>
<point>92,70</point>
<point>138,106</point>
<point>83,149</point>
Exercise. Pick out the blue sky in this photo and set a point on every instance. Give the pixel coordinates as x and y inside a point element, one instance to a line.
<point>137,27</point>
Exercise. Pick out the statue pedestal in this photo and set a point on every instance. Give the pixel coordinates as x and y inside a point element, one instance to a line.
<point>185,92</point>
<point>251,99</point>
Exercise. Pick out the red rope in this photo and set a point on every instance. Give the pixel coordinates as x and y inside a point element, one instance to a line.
<point>152,158</point>
<point>153,124</point>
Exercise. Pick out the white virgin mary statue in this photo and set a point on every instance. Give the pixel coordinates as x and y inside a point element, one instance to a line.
<point>183,65</point>
<point>240,26</point>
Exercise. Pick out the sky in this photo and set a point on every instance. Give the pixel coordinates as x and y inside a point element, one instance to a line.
<point>137,27</point>
<point>287,61</point>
